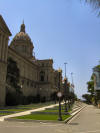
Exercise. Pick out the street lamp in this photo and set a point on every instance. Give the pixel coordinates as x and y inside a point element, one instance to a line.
<point>72,86</point>
<point>59,95</point>
<point>65,88</point>
<point>65,93</point>
<point>65,68</point>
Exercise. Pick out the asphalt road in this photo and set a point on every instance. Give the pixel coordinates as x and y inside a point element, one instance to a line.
<point>87,121</point>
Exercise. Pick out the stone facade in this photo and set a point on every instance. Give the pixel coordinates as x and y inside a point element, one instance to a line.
<point>36,76</point>
<point>4,37</point>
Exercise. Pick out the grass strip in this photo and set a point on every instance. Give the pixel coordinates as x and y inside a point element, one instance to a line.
<point>2,114</point>
<point>41,117</point>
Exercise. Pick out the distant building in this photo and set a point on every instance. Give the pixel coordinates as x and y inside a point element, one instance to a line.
<point>96,74</point>
<point>36,76</point>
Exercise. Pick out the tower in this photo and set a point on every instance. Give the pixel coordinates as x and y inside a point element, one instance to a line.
<point>22,43</point>
<point>4,37</point>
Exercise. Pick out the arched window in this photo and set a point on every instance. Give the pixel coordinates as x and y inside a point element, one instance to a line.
<point>42,76</point>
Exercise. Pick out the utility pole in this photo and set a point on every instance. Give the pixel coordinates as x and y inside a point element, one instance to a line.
<point>72,78</point>
<point>72,82</point>
<point>65,68</point>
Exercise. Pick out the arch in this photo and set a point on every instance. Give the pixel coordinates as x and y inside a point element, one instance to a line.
<point>42,76</point>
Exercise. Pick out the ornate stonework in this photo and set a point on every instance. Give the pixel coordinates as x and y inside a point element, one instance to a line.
<point>4,37</point>
<point>22,43</point>
<point>36,76</point>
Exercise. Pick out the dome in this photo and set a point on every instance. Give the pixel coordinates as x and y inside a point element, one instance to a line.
<point>22,35</point>
<point>22,43</point>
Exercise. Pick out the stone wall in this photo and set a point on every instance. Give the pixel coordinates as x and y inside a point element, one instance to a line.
<point>36,76</point>
<point>4,37</point>
<point>28,73</point>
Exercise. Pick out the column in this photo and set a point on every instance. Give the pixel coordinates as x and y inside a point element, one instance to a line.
<point>0,45</point>
<point>2,42</point>
<point>6,50</point>
<point>3,49</point>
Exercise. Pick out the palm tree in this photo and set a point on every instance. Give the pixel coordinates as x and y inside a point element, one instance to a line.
<point>95,5</point>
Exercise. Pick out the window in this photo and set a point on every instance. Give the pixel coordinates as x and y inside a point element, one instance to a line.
<point>42,64</point>
<point>42,76</point>
<point>22,82</point>
<point>32,84</point>
<point>27,83</point>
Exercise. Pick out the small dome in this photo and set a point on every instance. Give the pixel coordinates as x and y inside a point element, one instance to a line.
<point>22,43</point>
<point>22,35</point>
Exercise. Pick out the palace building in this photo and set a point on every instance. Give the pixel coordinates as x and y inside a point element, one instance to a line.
<point>36,76</point>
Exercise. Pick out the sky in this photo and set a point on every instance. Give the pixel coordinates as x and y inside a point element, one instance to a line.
<point>64,30</point>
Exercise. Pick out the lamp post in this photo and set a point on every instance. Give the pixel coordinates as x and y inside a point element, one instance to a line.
<point>65,68</point>
<point>65,89</point>
<point>59,95</point>
<point>55,94</point>
<point>72,85</point>
<point>65,93</point>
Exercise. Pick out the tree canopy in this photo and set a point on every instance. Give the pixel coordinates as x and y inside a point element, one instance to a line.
<point>13,73</point>
<point>90,97</point>
<point>95,5</point>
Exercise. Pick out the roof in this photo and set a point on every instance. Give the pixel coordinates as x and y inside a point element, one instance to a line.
<point>22,36</point>
<point>4,27</point>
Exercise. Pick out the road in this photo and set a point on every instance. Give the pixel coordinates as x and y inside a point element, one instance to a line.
<point>87,121</point>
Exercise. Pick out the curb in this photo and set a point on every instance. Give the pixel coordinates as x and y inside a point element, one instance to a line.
<point>76,109</point>
<point>73,115</point>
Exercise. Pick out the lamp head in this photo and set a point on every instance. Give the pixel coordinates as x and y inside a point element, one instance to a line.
<point>65,79</point>
<point>59,70</point>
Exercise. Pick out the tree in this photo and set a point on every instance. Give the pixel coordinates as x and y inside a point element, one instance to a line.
<point>13,73</point>
<point>95,5</point>
<point>92,97</point>
<point>91,86</point>
<point>87,98</point>
<point>13,76</point>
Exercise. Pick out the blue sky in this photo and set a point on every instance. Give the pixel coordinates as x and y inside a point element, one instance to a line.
<point>65,30</point>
